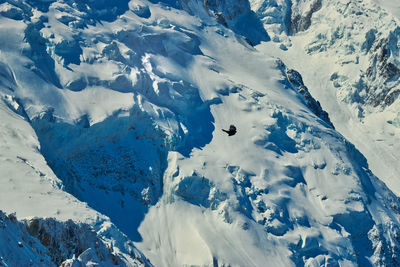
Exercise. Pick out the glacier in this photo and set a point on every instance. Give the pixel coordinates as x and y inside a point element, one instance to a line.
<point>112,152</point>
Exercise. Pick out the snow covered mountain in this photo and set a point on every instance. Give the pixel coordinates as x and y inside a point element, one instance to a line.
<point>111,145</point>
<point>350,62</point>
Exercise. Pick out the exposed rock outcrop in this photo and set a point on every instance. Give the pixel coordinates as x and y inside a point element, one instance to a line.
<point>295,81</point>
<point>48,242</point>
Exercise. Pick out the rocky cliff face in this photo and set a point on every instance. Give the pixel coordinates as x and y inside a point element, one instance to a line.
<point>382,77</point>
<point>289,17</point>
<point>301,14</point>
<point>48,242</point>
<point>295,81</point>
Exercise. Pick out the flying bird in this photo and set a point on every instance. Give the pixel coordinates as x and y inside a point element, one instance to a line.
<point>231,131</point>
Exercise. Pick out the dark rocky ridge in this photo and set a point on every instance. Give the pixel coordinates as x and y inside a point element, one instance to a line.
<point>48,242</point>
<point>295,81</point>
<point>300,20</point>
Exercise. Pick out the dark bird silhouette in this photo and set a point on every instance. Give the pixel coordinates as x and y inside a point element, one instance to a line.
<point>231,131</point>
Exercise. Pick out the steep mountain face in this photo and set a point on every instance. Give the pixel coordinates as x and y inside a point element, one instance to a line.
<point>236,15</point>
<point>358,32</point>
<point>111,124</point>
<point>18,247</point>
<point>29,187</point>
<point>348,54</point>
<point>288,16</point>
<point>47,242</point>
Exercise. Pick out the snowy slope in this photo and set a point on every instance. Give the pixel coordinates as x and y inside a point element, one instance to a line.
<point>30,189</point>
<point>392,7</point>
<point>112,114</point>
<point>350,55</point>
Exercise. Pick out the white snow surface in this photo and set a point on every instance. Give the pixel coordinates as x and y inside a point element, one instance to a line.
<point>334,57</point>
<point>392,7</point>
<point>111,115</point>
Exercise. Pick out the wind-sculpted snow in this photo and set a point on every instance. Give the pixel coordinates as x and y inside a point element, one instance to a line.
<point>115,108</point>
